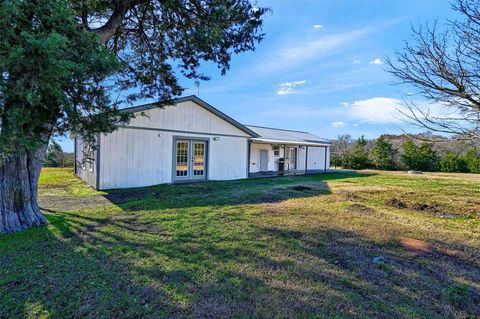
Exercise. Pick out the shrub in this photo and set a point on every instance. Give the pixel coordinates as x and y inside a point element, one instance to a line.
<point>472,160</point>
<point>452,163</point>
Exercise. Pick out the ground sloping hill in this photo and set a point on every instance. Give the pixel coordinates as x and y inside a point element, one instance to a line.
<point>369,244</point>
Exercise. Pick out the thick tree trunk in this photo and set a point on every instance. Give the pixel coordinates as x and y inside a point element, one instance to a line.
<point>19,189</point>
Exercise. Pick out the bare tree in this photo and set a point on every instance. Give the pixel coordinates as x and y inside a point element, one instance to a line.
<point>443,65</point>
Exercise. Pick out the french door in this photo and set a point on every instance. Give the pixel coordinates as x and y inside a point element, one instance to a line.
<point>190,160</point>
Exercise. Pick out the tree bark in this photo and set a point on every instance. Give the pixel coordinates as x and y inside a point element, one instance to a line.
<point>19,175</point>
<point>106,31</point>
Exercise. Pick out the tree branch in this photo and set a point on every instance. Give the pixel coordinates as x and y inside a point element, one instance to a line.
<point>115,21</point>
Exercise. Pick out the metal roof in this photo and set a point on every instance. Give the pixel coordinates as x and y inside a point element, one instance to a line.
<point>202,103</point>
<point>258,133</point>
<point>283,136</point>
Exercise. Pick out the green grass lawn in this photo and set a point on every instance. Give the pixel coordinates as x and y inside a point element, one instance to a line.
<point>372,244</point>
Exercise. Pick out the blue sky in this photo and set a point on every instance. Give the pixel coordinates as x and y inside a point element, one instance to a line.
<point>320,67</point>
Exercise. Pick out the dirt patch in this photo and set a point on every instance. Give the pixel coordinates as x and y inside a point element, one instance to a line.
<point>55,203</point>
<point>416,247</point>
<point>360,209</point>
<point>396,203</point>
<point>349,196</point>
<point>434,209</point>
<point>300,188</point>
<point>266,198</point>
<point>70,203</point>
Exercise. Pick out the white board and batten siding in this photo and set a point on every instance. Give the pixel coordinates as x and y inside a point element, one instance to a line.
<point>142,152</point>
<point>315,158</point>
<point>85,164</point>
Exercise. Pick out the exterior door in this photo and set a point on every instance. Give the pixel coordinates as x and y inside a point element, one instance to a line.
<point>190,160</point>
<point>290,158</point>
<point>198,165</point>
<point>263,161</point>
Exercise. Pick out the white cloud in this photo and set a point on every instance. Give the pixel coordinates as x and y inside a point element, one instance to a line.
<point>376,110</point>
<point>317,26</point>
<point>345,104</point>
<point>384,110</point>
<point>294,53</point>
<point>376,61</point>
<point>338,124</point>
<point>355,125</point>
<point>356,62</point>
<point>289,87</point>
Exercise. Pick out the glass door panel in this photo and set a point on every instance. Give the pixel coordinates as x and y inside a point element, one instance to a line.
<point>198,159</point>
<point>190,159</point>
<point>290,158</point>
<point>183,149</point>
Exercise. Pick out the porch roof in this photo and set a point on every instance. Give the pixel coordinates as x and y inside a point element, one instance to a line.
<point>287,142</point>
<point>288,137</point>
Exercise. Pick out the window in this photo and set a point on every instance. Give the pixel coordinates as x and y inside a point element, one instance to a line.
<point>276,150</point>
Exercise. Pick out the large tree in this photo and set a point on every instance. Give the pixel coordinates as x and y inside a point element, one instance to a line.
<point>442,63</point>
<point>63,65</point>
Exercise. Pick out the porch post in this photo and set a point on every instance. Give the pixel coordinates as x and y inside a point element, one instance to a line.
<point>306,159</point>
<point>249,152</point>
<point>325,163</point>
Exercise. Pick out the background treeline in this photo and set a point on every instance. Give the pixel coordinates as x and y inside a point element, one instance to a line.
<point>401,152</point>
<point>56,157</point>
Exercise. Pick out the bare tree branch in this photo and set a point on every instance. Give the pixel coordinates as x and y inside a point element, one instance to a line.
<point>444,68</point>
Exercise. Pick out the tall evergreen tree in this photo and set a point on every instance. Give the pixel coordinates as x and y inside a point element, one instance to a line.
<point>359,157</point>
<point>59,59</point>
<point>409,156</point>
<point>383,154</point>
<point>427,158</point>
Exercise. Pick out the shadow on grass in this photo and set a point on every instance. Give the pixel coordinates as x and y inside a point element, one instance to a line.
<point>218,266</point>
<point>226,193</point>
<point>195,251</point>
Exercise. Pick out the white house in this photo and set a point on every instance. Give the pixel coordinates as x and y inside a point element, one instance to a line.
<point>192,141</point>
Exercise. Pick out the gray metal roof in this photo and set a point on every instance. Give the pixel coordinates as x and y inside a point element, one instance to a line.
<point>283,136</point>
<point>200,102</point>
<point>258,133</point>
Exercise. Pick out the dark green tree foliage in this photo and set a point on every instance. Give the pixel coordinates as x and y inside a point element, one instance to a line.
<point>422,158</point>
<point>61,61</point>
<point>452,163</point>
<point>427,158</point>
<point>53,76</point>
<point>450,156</point>
<point>409,156</point>
<point>383,154</point>
<point>359,157</point>
<point>472,160</point>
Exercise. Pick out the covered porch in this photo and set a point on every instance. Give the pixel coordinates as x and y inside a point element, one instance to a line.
<point>273,157</point>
